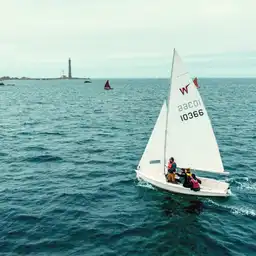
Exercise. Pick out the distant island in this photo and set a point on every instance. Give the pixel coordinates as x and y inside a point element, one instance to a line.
<point>62,77</point>
<point>48,78</point>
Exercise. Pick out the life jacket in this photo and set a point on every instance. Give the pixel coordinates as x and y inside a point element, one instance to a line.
<point>189,174</point>
<point>195,183</point>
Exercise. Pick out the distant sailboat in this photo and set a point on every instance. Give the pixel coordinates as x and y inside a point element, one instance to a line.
<point>107,86</point>
<point>3,84</point>
<point>88,80</point>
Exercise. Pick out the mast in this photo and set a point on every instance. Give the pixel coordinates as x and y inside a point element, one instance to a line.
<point>167,114</point>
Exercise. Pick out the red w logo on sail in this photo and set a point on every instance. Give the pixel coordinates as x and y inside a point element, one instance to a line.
<point>184,89</point>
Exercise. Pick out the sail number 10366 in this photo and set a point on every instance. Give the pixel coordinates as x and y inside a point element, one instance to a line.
<point>191,115</point>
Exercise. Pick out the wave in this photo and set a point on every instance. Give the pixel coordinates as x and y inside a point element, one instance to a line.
<point>235,210</point>
<point>43,158</point>
<point>27,218</point>
<point>104,161</point>
<point>81,142</point>
<point>96,150</point>
<point>244,211</point>
<point>104,134</point>
<point>52,133</point>
<point>32,148</point>
<point>115,128</point>
<point>243,183</point>
<point>25,133</point>
<point>97,162</point>
<point>39,102</point>
<point>144,184</point>
<point>27,123</point>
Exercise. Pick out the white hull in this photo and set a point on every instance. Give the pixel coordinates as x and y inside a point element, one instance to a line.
<point>209,187</point>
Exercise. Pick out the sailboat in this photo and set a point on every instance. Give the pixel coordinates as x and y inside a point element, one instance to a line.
<point>88,80</point>
<point>183,130</point>
<point>107,86</point>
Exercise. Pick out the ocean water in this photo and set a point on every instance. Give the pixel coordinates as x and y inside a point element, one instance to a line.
<point>67,181</point>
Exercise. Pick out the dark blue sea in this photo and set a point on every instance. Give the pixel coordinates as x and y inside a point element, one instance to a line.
<point>67,180</point>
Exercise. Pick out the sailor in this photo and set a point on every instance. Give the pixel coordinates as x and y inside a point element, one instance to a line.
<point>186,174</point>
<point>195,183</point>
<point>171,170</point>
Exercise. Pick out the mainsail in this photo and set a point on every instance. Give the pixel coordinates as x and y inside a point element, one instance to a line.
<point>189,136</point>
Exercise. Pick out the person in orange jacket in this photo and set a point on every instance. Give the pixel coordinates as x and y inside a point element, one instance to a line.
<point>171,170</point>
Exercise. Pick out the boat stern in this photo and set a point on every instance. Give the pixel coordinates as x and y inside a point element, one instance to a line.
<point>228,191</point>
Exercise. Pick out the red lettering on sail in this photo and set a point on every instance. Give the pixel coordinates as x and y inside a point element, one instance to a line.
<point>196,82</point>
<point>184,89</point>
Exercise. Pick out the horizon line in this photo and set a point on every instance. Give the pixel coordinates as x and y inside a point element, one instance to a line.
<point>85,78</point>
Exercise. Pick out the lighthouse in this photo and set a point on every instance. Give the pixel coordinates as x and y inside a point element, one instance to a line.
<point>69,69</point>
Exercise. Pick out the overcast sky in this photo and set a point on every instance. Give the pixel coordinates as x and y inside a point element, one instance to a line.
<point>127,38</point>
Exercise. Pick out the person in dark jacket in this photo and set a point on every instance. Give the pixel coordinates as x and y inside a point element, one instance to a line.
<point>186,174</point>
<point>181,175</point>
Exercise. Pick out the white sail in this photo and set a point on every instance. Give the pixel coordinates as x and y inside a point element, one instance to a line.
<point>152,160</point>
<point>190,138</point>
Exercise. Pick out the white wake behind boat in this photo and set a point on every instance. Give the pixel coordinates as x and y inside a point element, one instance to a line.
<point>183,130</point>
